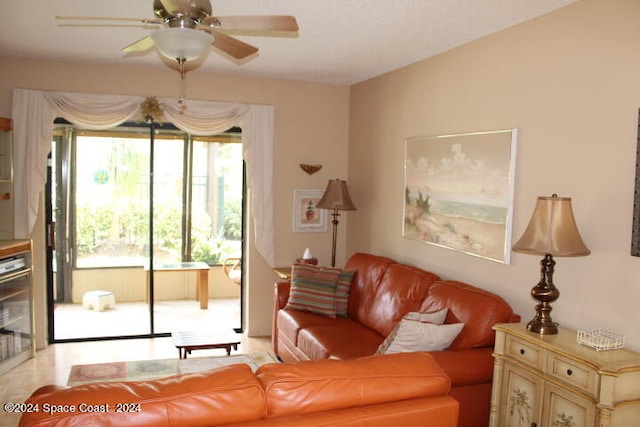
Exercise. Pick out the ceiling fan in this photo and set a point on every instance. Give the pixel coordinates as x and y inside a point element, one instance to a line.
<point>175,16</point>
<point>187,28</point>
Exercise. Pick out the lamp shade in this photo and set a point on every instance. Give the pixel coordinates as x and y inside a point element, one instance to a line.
<point>336,196</point>
<point>552,230</point>
<point>183,43</point>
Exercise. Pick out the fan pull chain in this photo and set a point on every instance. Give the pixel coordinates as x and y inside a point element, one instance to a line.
<point>183,80</point>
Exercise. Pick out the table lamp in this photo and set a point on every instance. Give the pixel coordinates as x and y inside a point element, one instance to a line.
<point>552,231</point>
<point>336,197</point>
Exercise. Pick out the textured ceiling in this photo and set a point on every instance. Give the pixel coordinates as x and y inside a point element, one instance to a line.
<point>340,41</point>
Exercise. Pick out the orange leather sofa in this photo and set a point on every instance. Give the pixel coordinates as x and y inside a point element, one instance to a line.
<point>382,292</point>
<point>380,391</point>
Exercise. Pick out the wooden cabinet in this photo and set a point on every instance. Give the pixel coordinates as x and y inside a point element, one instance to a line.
<point>6,180</point>
<point>551,380</point>
<point>17,340</point>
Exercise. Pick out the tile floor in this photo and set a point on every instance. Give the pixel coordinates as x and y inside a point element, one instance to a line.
<point>53,364</point>
<point>132,318</point>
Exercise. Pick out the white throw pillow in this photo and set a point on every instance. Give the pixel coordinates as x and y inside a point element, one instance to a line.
<point>436,317</point>
<point>413,335</point>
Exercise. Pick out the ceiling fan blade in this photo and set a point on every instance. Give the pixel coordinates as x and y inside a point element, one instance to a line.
<point>143,26</point>
<point>278,23</point>
<point>139,46</point>
<point>102,18</point>
<point>232,46</point>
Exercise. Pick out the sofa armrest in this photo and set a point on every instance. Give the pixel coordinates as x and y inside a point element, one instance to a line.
<point>280,298</point>
<point>281,295</point>
<point>466,367</point>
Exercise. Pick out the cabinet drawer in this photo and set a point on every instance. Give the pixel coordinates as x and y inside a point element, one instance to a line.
<point>581,376</point>
<point>525,352</point>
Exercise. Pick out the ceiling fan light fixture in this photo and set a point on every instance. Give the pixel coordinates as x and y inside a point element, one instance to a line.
<point>183,43</point>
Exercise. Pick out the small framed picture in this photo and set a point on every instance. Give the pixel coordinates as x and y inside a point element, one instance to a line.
<point>307,218</point>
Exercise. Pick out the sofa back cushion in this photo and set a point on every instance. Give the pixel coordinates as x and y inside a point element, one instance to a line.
<point>402,289</point>
<point>217,397</point>
<point>478,309</point>
<point>325,385</point>
<point>369,270</point>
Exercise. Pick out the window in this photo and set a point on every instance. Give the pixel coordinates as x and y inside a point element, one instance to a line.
<point>197,195</point>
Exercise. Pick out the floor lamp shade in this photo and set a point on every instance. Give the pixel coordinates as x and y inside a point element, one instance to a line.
<point>552,231</point>
<point>336,198</point>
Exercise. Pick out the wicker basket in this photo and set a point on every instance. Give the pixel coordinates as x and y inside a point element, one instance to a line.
<point>601,339</point>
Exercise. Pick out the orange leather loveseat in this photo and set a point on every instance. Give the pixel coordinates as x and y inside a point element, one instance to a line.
<point>381,391</point>
<point>382,292</point>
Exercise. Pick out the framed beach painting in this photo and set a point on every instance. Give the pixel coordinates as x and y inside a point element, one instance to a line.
<point>459,192</point>
<point>306,216</point>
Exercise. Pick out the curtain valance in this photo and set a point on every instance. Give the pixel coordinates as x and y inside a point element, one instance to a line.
<point>34,112</point>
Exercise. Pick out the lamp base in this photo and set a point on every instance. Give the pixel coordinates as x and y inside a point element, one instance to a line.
<point>335,222</point>
<point>542,328</point>
<point>545,293</point>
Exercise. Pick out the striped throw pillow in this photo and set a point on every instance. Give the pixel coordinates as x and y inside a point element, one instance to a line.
<point>313,289</point>
<point>342,292</point>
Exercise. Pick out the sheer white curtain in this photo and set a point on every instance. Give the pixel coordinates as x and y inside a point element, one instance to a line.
<point>34,112</point>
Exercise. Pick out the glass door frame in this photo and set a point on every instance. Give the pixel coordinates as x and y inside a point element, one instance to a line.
<point>56,241</point>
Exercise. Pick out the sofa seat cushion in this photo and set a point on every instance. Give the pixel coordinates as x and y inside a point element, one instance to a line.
<point>467,304</point>
<point>216,397</point>
<point>291,322</point>
<point>349,340</point>
<point>325,385</point>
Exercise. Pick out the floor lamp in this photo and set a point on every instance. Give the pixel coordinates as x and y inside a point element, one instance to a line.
<point>336,198</point>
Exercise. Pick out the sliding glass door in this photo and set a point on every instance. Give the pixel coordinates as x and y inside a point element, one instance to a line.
<point>105,185</point>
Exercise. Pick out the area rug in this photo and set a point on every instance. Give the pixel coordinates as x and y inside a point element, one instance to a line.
<point>137,370</point>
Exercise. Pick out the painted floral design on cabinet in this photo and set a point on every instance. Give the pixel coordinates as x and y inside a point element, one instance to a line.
<point>519,403</point>
<point>564,421</point>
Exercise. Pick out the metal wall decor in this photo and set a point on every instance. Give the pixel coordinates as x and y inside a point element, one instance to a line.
<point>310,169</point>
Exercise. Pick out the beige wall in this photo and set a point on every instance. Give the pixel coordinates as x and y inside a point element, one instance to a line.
<point>570,82</point>
<point>311,126</point>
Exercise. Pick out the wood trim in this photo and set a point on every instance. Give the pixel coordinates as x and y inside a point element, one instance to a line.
<point>6,124</point>
<point>14,247</point>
